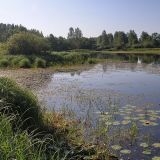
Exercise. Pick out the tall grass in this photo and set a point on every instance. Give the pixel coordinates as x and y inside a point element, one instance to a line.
<point>20,145</point>
<point>24,63</point>
<point>20,101</point>
<point>4,63</point>
<point>39,62</point>
<point>49,59</point>
<point>28,133</point>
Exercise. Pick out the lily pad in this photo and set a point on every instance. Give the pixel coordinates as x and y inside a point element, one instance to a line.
<point>154,124</point>
<point>142,120</point>
<point>139,110</point>
<point>144,145</point>
<point>125,122</point>
<point>116,147</point>
<point>136,118</point>
<point>127,118</point>
<point>116,123</point>
<point>125,151</point>
<point>108,123</point>
<point>156,158</point>
<point>141,115</point>
<point>147,152</point>
<point>156,145</point>
<point>153,118</point>
<point>149,123</point>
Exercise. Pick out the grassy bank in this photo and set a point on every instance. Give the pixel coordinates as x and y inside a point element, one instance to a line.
<point>53,59</point>
<point>151,51</point>
<point>28,132</point>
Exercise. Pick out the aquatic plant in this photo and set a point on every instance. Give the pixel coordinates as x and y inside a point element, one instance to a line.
<point>4,63</point>
<point>125,151</point>
<point>39,62</point>
<point>24,63</point>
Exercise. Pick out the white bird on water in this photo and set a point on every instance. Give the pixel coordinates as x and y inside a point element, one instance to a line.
<point>139,61</point>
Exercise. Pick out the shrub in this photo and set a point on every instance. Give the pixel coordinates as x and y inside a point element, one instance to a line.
<point>92,61</point>
<point>25,63</point>
<point>26,43</point>
<point>16,59</point>
<point>40,63</point>
<point>4,63</point>
<point>21,102</point>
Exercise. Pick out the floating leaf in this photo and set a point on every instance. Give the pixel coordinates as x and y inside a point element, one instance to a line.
<point>154,124</point>
<point>156,158</point>
<point>125,151</point>
<point>147,152</point>
<point>106,113</point>
<point>144,145</point>
<point>129,109</point>
<point>125,122</point>
<point>149,123</point>
<point>153,118</point>
<point>116,123</point>
<point>141,115</point>
<point>136,118</point>
<point>142,120</point>
<point>108,123</point>
<point>98,112</point>
<point>156,145</point>
<point>116,147</point>
<point>139,110</point>
<point>127,118</point>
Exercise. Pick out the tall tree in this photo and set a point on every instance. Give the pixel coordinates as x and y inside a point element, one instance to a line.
<point>110,39</point>
<point>53,42</point>
<point>78,33</point>
<point>156,39</point>
<point>103,40</point>
<point>146,40</point>
<point>71,33</point>
<point>132,38</point>
<point>120,40</point>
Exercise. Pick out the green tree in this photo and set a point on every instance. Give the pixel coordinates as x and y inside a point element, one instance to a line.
<point>7,30</point>
<point>110,39</point>
<point>53,42</point>
<point>71,33</point>
<point>120,40</point>
<point>132,39</point>
<point>78,33</point>
<point>75,38</point>
<point>103,40</point>
<point>146,40</point>
<point>62,44</point>
<point>156,39</point>
<point>26,43</point>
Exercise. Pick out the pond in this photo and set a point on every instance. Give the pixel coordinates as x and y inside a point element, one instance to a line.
<point>122,98</point>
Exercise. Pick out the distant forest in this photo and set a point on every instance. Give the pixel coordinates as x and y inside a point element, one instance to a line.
<point>10,33</point>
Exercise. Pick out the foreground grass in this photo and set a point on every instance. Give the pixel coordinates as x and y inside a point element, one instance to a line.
<point>19,145</point>
<point>28,132</point>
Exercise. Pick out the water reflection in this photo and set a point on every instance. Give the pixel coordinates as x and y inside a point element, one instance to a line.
<point>113,84</point>
<point>130,92</point>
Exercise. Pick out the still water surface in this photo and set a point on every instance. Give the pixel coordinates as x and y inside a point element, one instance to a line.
<point>131,90</point>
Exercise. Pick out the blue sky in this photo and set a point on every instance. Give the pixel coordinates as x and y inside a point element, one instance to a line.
<point>91,16</point>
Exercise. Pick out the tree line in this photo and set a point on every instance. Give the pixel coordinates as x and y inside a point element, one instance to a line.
<point>20,40</point>
<point>118,40</point>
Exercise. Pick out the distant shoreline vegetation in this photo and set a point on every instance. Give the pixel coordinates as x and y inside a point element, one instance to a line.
<point>23,48</point>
